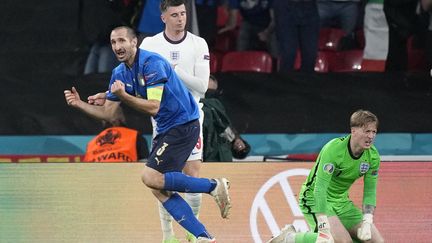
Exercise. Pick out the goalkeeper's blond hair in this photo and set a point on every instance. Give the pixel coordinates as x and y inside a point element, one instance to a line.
<point>361,118</point>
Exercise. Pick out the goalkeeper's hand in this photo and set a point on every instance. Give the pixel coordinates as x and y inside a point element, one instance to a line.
<point>324,235</point>
<point>364,232</point>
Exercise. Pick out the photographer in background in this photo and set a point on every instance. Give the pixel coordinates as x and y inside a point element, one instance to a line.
<point>221,141</point>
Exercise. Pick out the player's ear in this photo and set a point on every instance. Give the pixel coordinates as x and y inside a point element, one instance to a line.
<point>135,41</point>
<point>162,17</point>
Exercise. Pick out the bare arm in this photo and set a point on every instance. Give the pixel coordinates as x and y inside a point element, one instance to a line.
<point>109,111</point>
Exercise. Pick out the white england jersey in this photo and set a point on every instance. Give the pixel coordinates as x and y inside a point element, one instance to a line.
<point>190,57</point>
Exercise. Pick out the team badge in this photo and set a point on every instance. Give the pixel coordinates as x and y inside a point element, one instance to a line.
<point>328,168</point>
<point>175,55</point>
<point>141,80</point>
<point>364,167</point>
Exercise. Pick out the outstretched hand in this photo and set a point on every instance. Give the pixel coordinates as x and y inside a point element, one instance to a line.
<point>72,97</point>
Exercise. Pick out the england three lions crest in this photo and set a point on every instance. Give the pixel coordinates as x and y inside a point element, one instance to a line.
<point>364,167</point>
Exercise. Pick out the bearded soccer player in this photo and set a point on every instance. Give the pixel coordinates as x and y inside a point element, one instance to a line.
<point>146,82</point>
<point>324,200</point>
<point>188,54</point>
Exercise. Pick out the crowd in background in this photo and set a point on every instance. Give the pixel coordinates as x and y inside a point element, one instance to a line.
<point>393,32</point>
<point>290,31</point>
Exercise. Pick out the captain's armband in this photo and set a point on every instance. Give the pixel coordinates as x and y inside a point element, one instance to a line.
<point>155,93</point>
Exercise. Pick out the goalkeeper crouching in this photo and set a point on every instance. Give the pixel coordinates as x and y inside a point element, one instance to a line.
<point>324,200</point>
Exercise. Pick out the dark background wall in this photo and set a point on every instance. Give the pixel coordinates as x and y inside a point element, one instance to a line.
<point>44,46</point>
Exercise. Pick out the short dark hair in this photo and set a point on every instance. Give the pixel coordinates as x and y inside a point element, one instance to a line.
<point>170,3</point>
<point>130,32</point>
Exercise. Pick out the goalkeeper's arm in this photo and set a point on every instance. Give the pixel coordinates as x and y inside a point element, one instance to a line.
<point>364,232</point>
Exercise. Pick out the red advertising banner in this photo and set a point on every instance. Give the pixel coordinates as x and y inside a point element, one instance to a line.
<point>91,202</point>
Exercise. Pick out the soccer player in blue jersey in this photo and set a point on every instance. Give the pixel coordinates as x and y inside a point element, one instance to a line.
<point>146,82</point>
<point>324,200</point>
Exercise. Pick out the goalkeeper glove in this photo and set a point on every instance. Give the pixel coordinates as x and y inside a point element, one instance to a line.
<point>364,232</point>
<point>324,235</point>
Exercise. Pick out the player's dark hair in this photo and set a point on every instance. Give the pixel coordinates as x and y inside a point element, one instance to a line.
<point>130,32</point>
<point>170,3</point>
<point>362,117</point>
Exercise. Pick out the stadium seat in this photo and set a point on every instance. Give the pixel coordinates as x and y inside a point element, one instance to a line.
<point>360,37</point>
<point>215,60</point>
<point>321,64</point>
<point>247,61</point>
<point>347,61</point>
<point>222,16</point>
<point>329,39</point>
<point>369,65</point>
<point>417,60</point>
<point>225,42</point>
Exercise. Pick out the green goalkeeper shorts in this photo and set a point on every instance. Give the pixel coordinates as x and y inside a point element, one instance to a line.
<point>347,212</point>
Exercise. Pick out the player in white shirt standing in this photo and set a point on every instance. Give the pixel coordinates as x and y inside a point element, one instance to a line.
<point>189,55</point>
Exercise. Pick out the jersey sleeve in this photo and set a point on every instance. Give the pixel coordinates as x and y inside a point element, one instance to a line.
<point>155,73</point>
<point>370,181</point>
<point>325,168</point>
<point>199,80</point>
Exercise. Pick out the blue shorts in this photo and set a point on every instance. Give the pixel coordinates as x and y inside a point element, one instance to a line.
<point>171,149</point>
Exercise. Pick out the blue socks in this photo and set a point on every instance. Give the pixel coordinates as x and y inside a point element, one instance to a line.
<point>183,214</point>
<point>179,182</point>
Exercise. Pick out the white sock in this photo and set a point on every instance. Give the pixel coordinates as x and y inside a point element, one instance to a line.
<point>194,201</point>
<point>166,222</point>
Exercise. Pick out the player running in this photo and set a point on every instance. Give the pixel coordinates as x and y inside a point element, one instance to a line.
<point>324,200</point>
<point>189,56</point>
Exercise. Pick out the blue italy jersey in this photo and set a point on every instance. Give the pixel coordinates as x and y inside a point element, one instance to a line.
<point>150,69</point>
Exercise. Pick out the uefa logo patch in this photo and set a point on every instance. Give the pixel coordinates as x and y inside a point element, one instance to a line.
<point>364,167</point>
<point>328,168</point>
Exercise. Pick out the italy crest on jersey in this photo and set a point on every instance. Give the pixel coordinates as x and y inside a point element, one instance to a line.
<point>141,80</point>
<point>364,167</point>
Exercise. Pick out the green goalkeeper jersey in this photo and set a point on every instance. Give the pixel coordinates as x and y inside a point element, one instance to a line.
<point>335,170</point>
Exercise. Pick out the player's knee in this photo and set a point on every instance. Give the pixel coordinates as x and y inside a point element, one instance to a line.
<point>147,179</point>
<point>192,168</point>
<point>152,179</point>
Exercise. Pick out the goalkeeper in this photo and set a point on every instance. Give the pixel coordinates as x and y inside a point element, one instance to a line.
<point>324,200</point>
